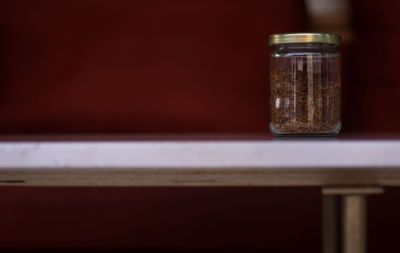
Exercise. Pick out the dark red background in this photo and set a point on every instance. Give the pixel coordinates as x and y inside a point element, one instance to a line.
<point>194,66</point>
<point>138,66</point>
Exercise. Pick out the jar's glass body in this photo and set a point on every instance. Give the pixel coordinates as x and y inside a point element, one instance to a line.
<point>305,90</point>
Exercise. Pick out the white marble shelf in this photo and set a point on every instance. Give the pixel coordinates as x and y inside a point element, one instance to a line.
<point>201,163</point>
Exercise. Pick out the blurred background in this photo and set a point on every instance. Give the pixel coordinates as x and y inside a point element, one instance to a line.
<point>93,67</point>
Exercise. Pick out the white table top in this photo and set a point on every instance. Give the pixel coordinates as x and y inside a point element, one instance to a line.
<point>201,163</point>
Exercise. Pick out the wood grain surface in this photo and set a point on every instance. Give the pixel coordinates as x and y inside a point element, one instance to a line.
<point>201,163</point>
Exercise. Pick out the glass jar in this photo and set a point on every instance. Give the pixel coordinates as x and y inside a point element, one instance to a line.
<point>305,75</point>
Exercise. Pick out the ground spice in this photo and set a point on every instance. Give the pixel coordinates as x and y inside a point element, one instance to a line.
<point>304,102</point>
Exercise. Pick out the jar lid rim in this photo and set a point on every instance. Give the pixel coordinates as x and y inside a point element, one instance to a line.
<point>290,38</point>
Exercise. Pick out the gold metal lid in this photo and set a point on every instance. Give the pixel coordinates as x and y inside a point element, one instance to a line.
<point>289,38</point>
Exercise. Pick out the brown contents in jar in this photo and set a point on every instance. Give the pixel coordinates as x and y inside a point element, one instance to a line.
<point>304,102</point>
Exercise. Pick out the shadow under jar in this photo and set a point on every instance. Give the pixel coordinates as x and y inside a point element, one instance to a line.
<point>305,84</point>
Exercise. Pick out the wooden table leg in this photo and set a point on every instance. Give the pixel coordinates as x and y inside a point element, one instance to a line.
<point>354,218</point>
<point>354,214</point>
